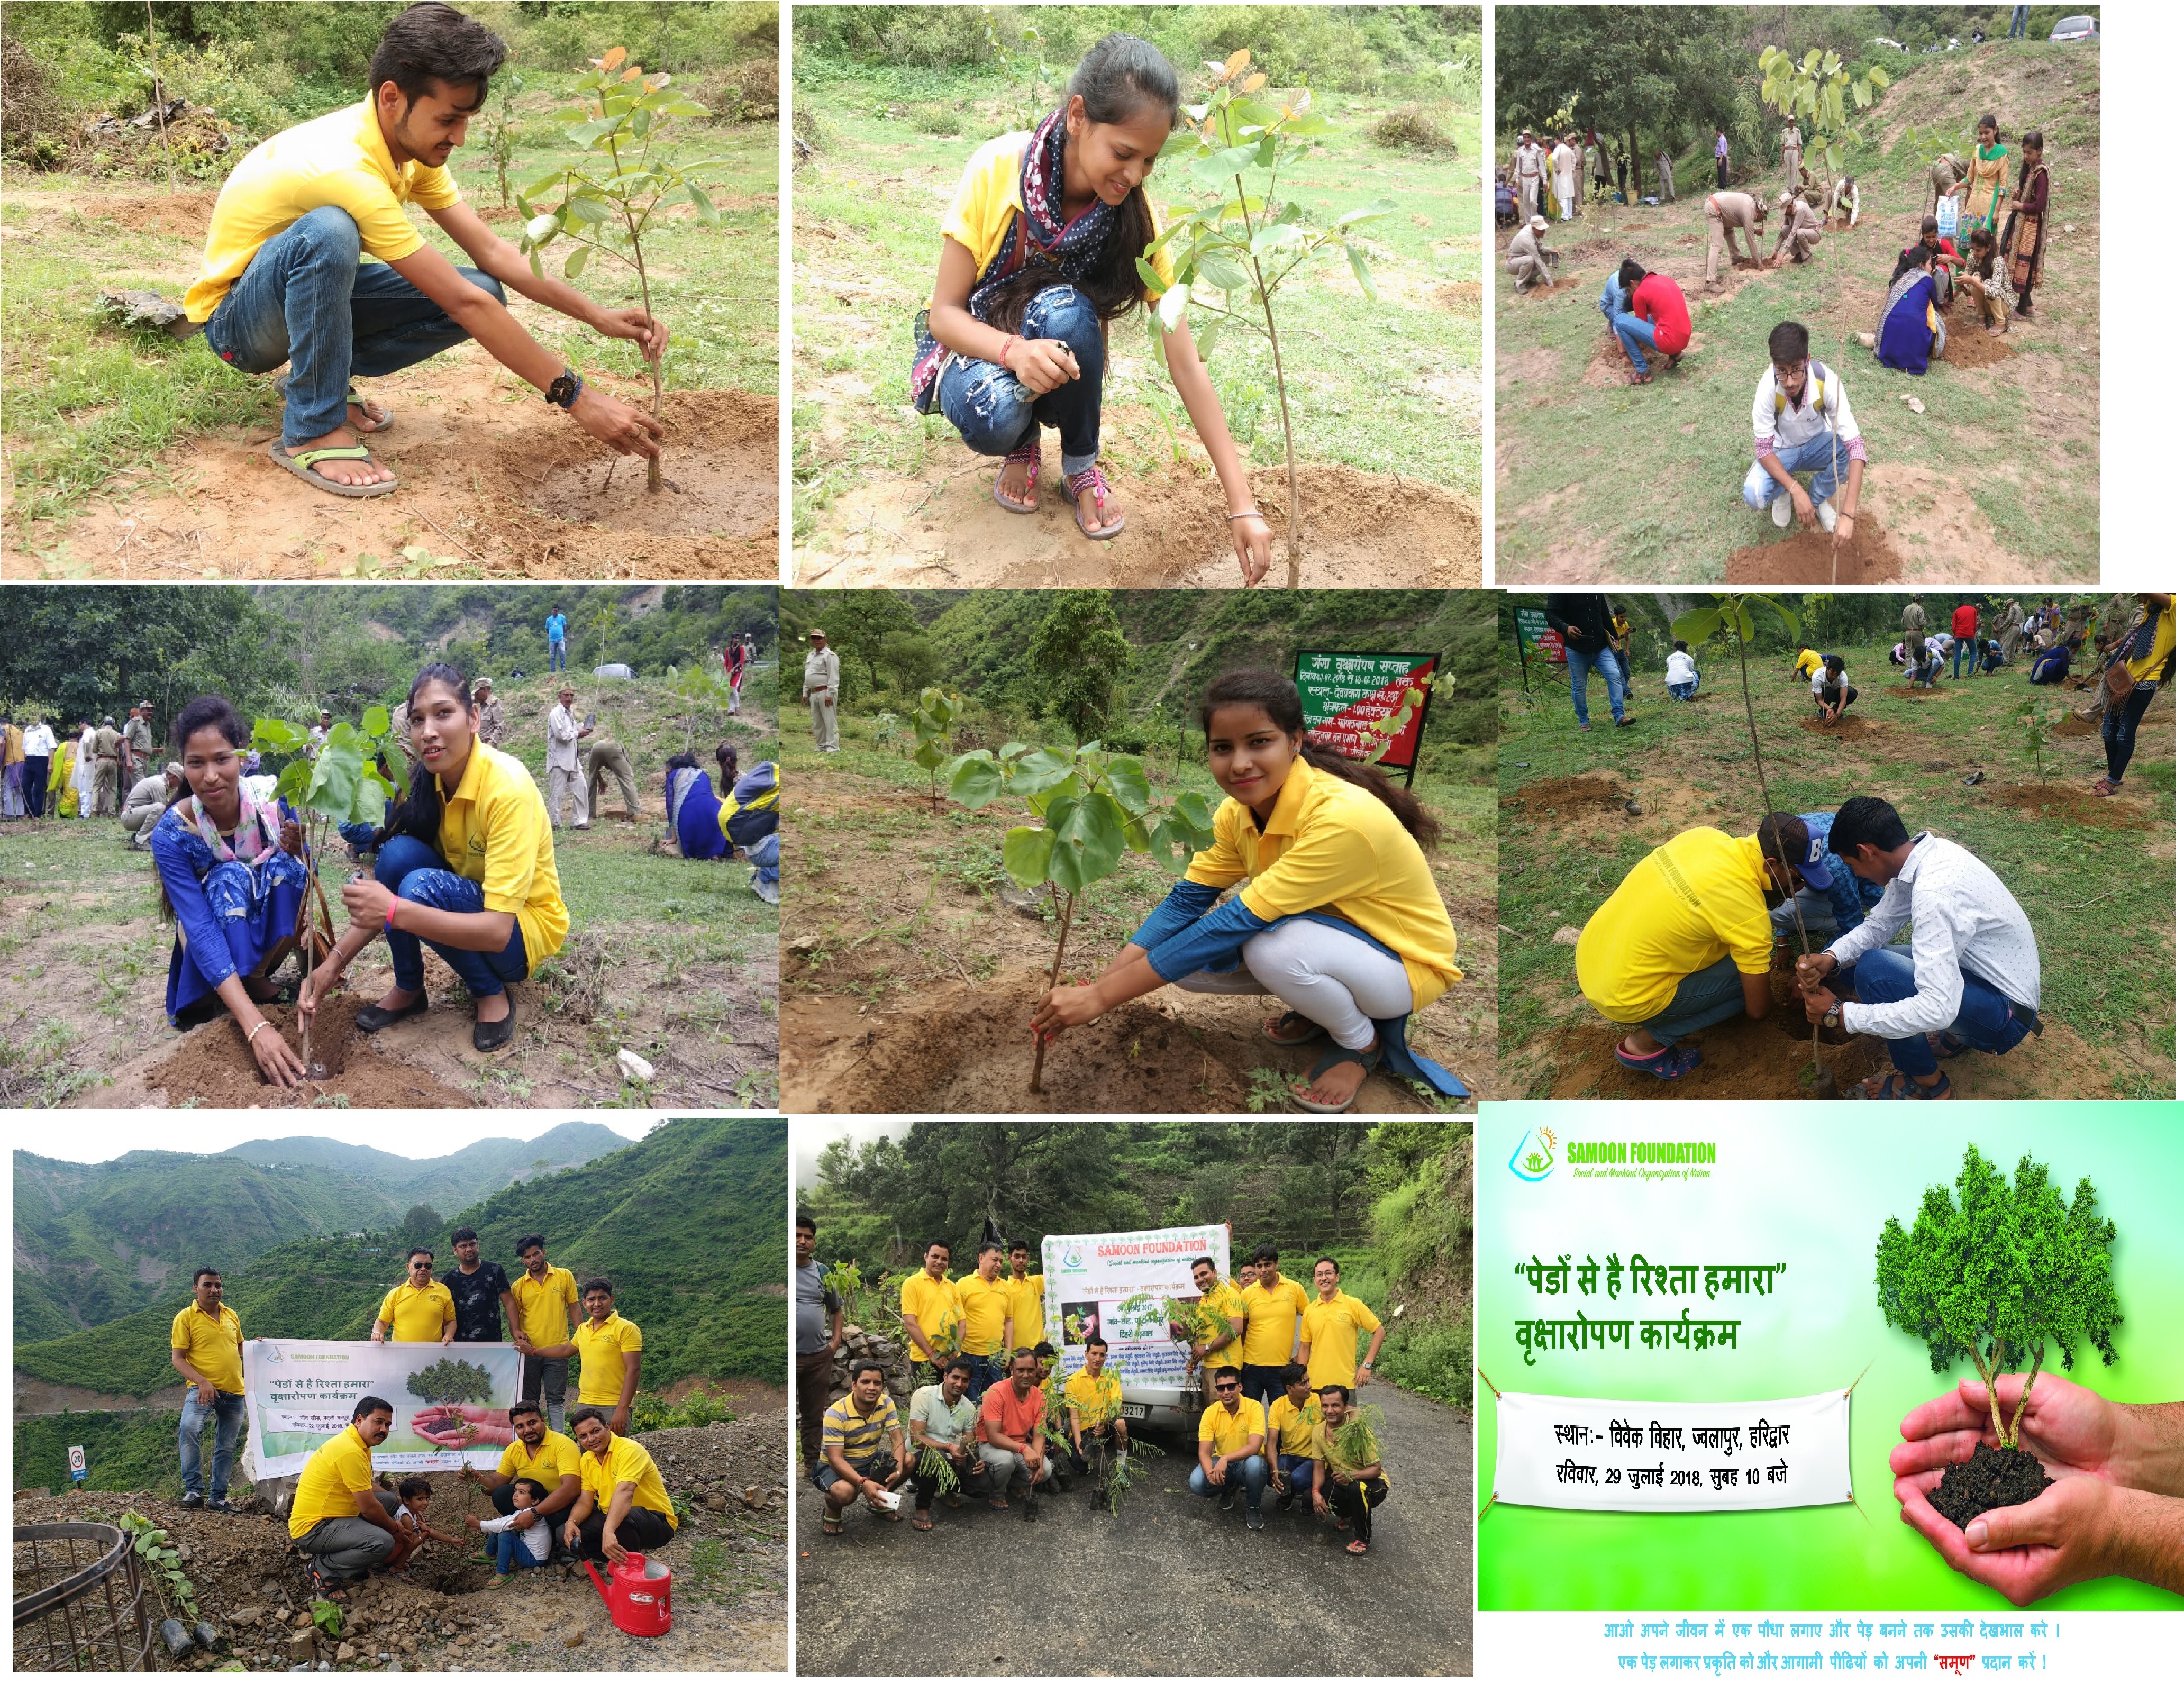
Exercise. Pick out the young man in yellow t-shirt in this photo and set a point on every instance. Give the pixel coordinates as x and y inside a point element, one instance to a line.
<point>206,1346</point>
<point>622,1502</point>
<point>1099,1433</point>
<point>609,1350</point>
<point>933,1312</point>
<point>1026,1296</point>
<point>543,1457</point>
<point>1232,1439</point>
<point>281,280</point>
<point>1220,1343</point>
<point>1272,1303</point>
<point>1291,1421</point>
<point>546,1299</point>
<point>1328,1345</point>
<point>988,1321</point>
<point>417,1312</point>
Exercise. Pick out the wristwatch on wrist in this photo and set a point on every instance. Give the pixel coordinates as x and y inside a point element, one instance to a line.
<point>1834,1018</point>
<point>563,390</point>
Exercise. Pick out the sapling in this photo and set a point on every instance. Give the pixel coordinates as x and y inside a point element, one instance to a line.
<point>2035,735</point>
<point>1090,806</point>
<point>1242,242</point>
<point>934,721</point>
<point>619,117</point>
<point>501,135</point>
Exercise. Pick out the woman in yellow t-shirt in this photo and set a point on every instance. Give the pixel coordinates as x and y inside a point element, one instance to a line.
<point>464,865</point>
<point>2149,652</point>
<point>1041,249</point>
<point>1342,922</point>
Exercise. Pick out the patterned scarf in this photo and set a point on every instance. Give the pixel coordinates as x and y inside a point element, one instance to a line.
<point>1040,236</point>
<point>257,832</point>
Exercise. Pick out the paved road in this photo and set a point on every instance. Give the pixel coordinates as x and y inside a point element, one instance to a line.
<point>1175,1586</point>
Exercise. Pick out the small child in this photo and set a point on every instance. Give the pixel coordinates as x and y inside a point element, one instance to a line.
<point>1683,672</point>
<point>415,1498</point>
<point>514,1548</point>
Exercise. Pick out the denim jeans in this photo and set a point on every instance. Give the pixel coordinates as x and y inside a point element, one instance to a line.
<point>1610,671</point>
<point>1633,331</point>
<point>1984,1017</point>
<point>980,399</point>
<point>1295,1470</point>
<point>2120,730</point>
<point>1761,490</point>
<point>557,656</point>
<point>308,302</point>
<point>510,1553</point>
<point>417,873</point>
<point>985,1373</point>
<point>1248,1474</point>
<point>1962,650</point>
<point>1704,998</point>
<point>1263,1382</point>
<point>227,1411</point>
<point>2018,17</point>
<point>1682,690</point>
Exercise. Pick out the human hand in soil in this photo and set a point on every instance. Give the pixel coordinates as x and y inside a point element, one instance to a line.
<point>369,901</point>
<point>633,323</point>
<point>1846,526</point>
<point>622,426</point>
<point>277,1061</point>
<point>1066,1007</point>
<point>1042,366</point>
<point>2026,1552</point>
<point>1255,547</point>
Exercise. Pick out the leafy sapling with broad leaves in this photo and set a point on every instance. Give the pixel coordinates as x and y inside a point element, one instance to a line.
<point>933,723</point>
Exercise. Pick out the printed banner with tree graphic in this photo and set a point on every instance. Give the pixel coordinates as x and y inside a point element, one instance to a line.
<point>450,1402</point>
<point>1134,1291</point>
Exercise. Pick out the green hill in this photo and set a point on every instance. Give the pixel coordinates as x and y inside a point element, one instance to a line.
<point>447,1184</point>
<point>687,1224</point>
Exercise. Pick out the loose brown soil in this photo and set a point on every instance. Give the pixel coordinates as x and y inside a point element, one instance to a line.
<point>188,213</point>
<point>2074,725</point>
<point>942,529</point>
<point>1744,1060</point>
<point>1971,347</point>
<point>1851,726</point>
<point>214,1070</point>
<point>1905,691</point>
<point>1990,1478</point>
<point>2077,805</point>
<point>1569,794</point>
<point>1808,557</point>
<point>719,486</point>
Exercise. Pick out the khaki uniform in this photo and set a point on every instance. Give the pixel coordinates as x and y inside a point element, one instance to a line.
<point>146,804</point>
<point>1802,229</point>
<point>1793,157</point>
<point>1915,621</point>
<point>1728,211</point>
<point>490,727</point>
<point>606,759</point>
<point>2115,619</point>
<point>110,747</point>
<point>138,735</point>
<point>1528,261</point>
<point>823,682</point>
<point>2013,634</point>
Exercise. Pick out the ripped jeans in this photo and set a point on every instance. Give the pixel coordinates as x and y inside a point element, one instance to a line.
<point>979,398</point>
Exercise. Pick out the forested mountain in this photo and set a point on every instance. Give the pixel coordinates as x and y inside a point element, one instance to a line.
<point>447,1183</point>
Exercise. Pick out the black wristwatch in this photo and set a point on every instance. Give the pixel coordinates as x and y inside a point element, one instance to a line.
<point>563,390</point>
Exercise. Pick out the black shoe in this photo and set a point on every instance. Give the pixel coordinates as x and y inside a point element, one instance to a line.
<point>193,1501</point>
<point>492,1037</point>
<point>1228,1499</point>
<point>373,1018</point>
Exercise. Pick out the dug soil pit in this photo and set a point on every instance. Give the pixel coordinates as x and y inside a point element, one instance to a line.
<point>2074,725</point>
<point>2059,804</point>
<point>213,1069</point>
<point>1810,557</point>
<point>1568,794</point>
<point>1971,347</point>
<point>1905,691</point>
<point>1743,1059</point>
<point>1990,1478</point>
<point>1850,727</point>
<point>717,467</point>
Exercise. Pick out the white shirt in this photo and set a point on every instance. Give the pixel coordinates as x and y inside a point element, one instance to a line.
<point>1682,669</point>
<point>1565,161</point>
<point>38,741</point>
<point>1937,647</point>
<point>538,1537</point>
<point>561,738</point>
<point>1842,680</point>
<point>1794,425</point>
<point>1962,919</point>
<point>821,669</point>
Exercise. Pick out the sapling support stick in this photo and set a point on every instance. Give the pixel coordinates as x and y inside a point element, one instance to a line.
<point>1281,388</point>
<point>1053,976</point>
<point>644,288</point>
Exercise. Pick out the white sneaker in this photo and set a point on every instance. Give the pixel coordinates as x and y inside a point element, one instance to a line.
<point>1782,509</point>
<point>1828,515</point>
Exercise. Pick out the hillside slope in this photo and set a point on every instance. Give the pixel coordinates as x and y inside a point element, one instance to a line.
<point>447,1184</point>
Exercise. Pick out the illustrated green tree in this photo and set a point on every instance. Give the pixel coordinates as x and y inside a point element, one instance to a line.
<point>1090,806</point>
<point>1079,654</point>
<point>1244,243</point>
<point>1998,1270</point>
<point>619,120</point>
<point>934,723</point>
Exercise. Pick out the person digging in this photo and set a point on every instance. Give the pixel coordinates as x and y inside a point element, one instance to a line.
<point>286,280</point>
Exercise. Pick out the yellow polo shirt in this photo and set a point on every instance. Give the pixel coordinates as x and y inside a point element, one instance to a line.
<point>1293,1425</point>
<point>986,1306</point>
<point>332,1477</point>
<point>1690,903</point>
<point>213,1344</point>
<point>340,160</point>
<point>544,1306</point>
<point>625,1460</point>
<point>417,1313</point>
<point>1223,1304</point>
<point>1808,662</point>
<point>1227,1432</point>
<point>557,1457</point>
<point>1097,1400</point>
<point>989,197</point>
<point>1274,1312</point>
<point>2149,668</point>
<point>935,1305</point>
<point>494,832</point>
<point>1331,1329</point>
<point>598,1350</point>
<point>1028,1304</point>
<point>1329,845</point>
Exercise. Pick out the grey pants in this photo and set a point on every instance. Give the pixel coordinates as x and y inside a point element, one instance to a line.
<point>1004,1468</point>
<point>137,821</point>
<point>825,735</point>
<point>564,788</point>
<point>1529,273</point>
<point>546,1384</point>
<point>342,1548</point>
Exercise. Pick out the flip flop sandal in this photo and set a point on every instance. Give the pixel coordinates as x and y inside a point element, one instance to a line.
<point>385,417</point>
<point>830,1523</point>
<point>1358,1548</point>
<point>299,464</point>
<point>1312,1031</point>
<point>923,1525</point>
<point>1671,1063</point>
<point>2104,787</point>
<point>1022,455</point>
<point>498,1580</point>
<point>1895,1085</point>
<point>373,1018</point>
<point>1076,485</point>
<point>1333,1055</point>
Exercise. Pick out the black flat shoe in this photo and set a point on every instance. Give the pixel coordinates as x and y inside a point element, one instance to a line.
<point>373,1018</point>
<point>492,1037</point>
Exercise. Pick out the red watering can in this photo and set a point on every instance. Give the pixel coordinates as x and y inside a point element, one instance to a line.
<point>635,1593</point>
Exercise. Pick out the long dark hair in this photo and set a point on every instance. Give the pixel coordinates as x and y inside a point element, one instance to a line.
<point>1118,78</point>
<point>417,813</point>
<point>1277,696</point>
<point>206,711</point>
<point>725,755</point>
<point>2031,142</point>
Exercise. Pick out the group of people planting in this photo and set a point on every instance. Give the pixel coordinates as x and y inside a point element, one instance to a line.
<point>102,770</point>
<point>1276,1372</point>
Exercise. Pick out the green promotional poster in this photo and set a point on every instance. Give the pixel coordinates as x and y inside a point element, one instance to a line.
<point>1703,1327</point>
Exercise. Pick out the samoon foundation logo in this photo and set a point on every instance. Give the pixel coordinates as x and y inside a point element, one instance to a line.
<point>1534,1160</point>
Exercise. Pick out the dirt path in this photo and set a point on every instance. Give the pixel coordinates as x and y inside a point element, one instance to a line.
<point>1171,1583</point>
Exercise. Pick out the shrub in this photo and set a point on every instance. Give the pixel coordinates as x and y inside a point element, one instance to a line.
<point>32,119</point>
<point>933,118</point>
<point>1414,128</point>
<point>745,93</point>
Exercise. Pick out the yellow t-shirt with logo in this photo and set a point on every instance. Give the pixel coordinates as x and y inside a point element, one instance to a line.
<point>986,1306</point>
<point>1028,1304</point>
<point>1228,1432</point>
<point>544,1306</point>
<point>213,1344</point>
<point>625,1460</point>
<point>934,1304</point>
<point>494,832</point>
<point>1690,902</point>
<point>1223,1304</point>
<point>598,1350</point>
<point>332,1477</point>
<point>1331,1329</point>
<point>341,160</point>
<point>1293,1425</point>
<point>1273,1312</point>
<point>557,1457</point>
<point>417,1313</point>
<point>989,197</point>
<point>1097,1400</point>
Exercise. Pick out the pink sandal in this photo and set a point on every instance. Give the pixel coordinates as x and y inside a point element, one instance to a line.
<point>1022,455</point>
<point>1090,478</point>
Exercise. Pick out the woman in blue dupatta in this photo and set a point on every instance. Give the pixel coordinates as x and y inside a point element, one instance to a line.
<point>229,877</point>
<point>1044,246</point>
<point>1911,332</point>
<point>747,820</point>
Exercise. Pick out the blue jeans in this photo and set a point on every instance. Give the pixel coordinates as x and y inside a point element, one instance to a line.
<point>1633,331</point>
<point>1962,651</point>
<point>1984,1017</point>
<point>510,1553</point>
<point>1706,997</point>
<point>1761,490</point>
<point>985,1374</point>
<point>980,398</point>
<point>227,1411</point>
<point>1682,690</point>
<point>2119,731</point>
<point>308,302</point>
<point>557,656</point>
<point>1262,1382</point>
<point>2018,17</point>
<point>1611,672</point>
<point>1297,1471</point>
<point>1249,1474</point>
<point>417,872</point>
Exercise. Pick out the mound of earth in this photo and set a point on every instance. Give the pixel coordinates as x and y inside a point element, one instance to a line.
<point>1743,1059</point>
<point>1970,348</point>
<point>1990,1478</point>
<point>2074,725</point>
<point>1810,556</point>
<point>1571,794</point>
<point>1851,726</point>
<point>718,482</point>
<point>213,1069</point>
<point>2079,806</point>
<point>1905,691</point>
<point>942,529</point>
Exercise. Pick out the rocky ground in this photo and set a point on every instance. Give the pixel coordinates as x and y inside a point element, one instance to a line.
<point>729,1559</point>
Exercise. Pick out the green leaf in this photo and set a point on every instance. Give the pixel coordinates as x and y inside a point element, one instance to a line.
<point>1038,771</point>
<point>1025,854</point>
<point>1788,617</point>
<point>1274,236</point>
<point>1215,167</point>
<point>975,780</point>
<point>1877,77</point>
<point>295,782</point>
<point>1206,338</point>
<point>1126,782</point>
<point>1743,624</point>
<point>1695,627</point>
<point>1364,275</point>
<point>1172,305</point>
<point>585,135</point>
<point>377,720</point>
<point>1193,810</point>
<point>1012,749</point>
<point>1087,840</point>
<point>929,755</point>
<point>1811,61</point>
<point>573,266</point>
<point>706,209</point>
<point>640,122</point>
<point>1376,208</point>
<point>1170,844</point>
<point>543,228</point>
<point>1151,277</point>
<point>1223,272</point>
<point>585,208</point>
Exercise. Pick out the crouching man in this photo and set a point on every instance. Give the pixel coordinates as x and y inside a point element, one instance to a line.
<point>1231,1436</point>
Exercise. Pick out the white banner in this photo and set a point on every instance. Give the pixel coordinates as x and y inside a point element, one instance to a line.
<point>450,1402</point>
<point>1112,1285</point>
<point>1648,1455</point>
